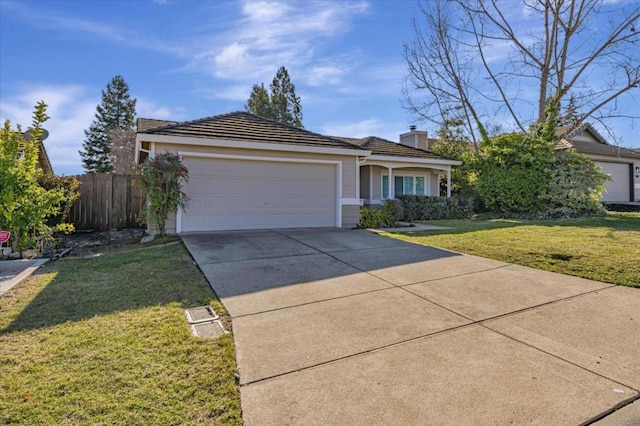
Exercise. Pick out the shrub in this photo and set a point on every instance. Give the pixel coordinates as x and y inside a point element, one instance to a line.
<point>575,186</point>
<point>387,217</point>
<point>512,172</point>
<point>392,212</point>
<point>68,185</point>
<point>422,207</point>
<point>370,218</point>
<point>162,178</point>
<point>25,206</point>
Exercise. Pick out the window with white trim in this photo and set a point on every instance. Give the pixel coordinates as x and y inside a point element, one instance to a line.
<point>406,185</point>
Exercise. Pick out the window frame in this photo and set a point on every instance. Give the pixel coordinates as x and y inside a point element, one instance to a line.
<point>413,175</point>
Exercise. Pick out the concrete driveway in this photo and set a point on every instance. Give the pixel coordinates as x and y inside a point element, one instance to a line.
<point>338,326</point>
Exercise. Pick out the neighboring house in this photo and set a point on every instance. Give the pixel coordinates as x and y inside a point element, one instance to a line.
<point>247,172</point>
<point>43,160</point>
<point>622,164</point>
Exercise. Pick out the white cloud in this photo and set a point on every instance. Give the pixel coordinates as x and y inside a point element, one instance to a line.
<point>71,110</point>
<point>269,34</point>
<point>238,92</point>
<point>325,74</point>
<point>367,127</point>
<point>264,10</point>
<point>149,109</point>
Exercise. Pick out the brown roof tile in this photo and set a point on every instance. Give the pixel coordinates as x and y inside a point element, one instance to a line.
<point>144,124</point>
<point>587,147</point>
<point>243,126</point>
<point>379,146</point>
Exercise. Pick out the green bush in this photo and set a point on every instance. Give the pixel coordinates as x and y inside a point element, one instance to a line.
<point>512,172</point>
<point>25,206</point>
<point>422,207</point>
<point>392,212</point>
<point>387,217</point>
<point>370,218</point>
<point>575,187</point>
<point>69,187</point>
<point>162,178</point>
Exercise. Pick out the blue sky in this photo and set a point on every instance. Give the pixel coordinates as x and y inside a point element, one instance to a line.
<point>188,59</point>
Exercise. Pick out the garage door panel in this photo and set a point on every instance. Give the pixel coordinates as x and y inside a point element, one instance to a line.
<point>618,187</point>
<point>239,194</point>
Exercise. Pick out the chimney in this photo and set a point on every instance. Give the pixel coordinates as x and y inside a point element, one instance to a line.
<point>415,138</point>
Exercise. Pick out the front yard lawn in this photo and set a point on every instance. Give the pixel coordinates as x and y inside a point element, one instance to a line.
<point>599,248</point>
<point>105,341</point>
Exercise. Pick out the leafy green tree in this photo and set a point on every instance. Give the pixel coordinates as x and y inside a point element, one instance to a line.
<point>281,104</point>
<point>162,178</point>
<point>116,112</point>
<point>24,204</point>
<point>512,171</point>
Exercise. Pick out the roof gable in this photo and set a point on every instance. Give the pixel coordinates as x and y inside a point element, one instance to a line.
<point>379,146</point>
<point>587,140</point>
<point>246,127</point>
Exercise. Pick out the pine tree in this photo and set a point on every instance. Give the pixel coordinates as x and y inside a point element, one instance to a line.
<point>281,104</point>
<point>284,102</point>
<point>115,112</point>
<point>259,102</point>
<point>571,117</point>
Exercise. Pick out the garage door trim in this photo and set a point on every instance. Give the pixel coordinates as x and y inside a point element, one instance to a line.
<point>336,163</point>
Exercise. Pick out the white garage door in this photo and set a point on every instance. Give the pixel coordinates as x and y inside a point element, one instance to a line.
<point>618,186</point>
<point>230,194</point>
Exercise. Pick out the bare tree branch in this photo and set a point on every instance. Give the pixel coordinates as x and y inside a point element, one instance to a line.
<point>582,47</point>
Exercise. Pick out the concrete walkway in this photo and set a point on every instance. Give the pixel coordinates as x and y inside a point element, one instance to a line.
<point>340,326</point>
<point>12,272</point>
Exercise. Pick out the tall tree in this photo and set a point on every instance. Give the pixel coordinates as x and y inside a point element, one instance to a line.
<point>115,113</point>
<point>281,104</point>
<point>476,53</point>
<point>571,116</point>
<point>284,102</point>
<point>259,102</point>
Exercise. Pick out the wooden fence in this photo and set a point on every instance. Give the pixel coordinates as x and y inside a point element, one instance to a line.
<point>107,201</point>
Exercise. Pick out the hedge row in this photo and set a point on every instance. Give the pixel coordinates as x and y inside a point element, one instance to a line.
<point>422,207</point>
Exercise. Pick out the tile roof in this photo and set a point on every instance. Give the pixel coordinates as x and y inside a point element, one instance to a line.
<point>379,146</point>
<point>597,146</point>
<point>144,124</point>
<point>588,147</point>
<point>243,126</point>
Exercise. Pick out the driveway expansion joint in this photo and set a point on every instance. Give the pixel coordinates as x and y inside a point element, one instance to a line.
<point>358,354</point>
<point>610,411</point>
<point>262,258</point>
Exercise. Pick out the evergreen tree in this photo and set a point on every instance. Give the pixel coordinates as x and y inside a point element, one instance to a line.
<point>115,112</point>
<point>281,104</point>
<point>259,102</point>
<point>284,102</point>
<point>571,116</point>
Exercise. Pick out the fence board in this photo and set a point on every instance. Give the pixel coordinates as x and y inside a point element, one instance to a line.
<point>107,201</point>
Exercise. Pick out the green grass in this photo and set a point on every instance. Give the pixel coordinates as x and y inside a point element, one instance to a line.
<point>599,248</point>
<point>105,341</point>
